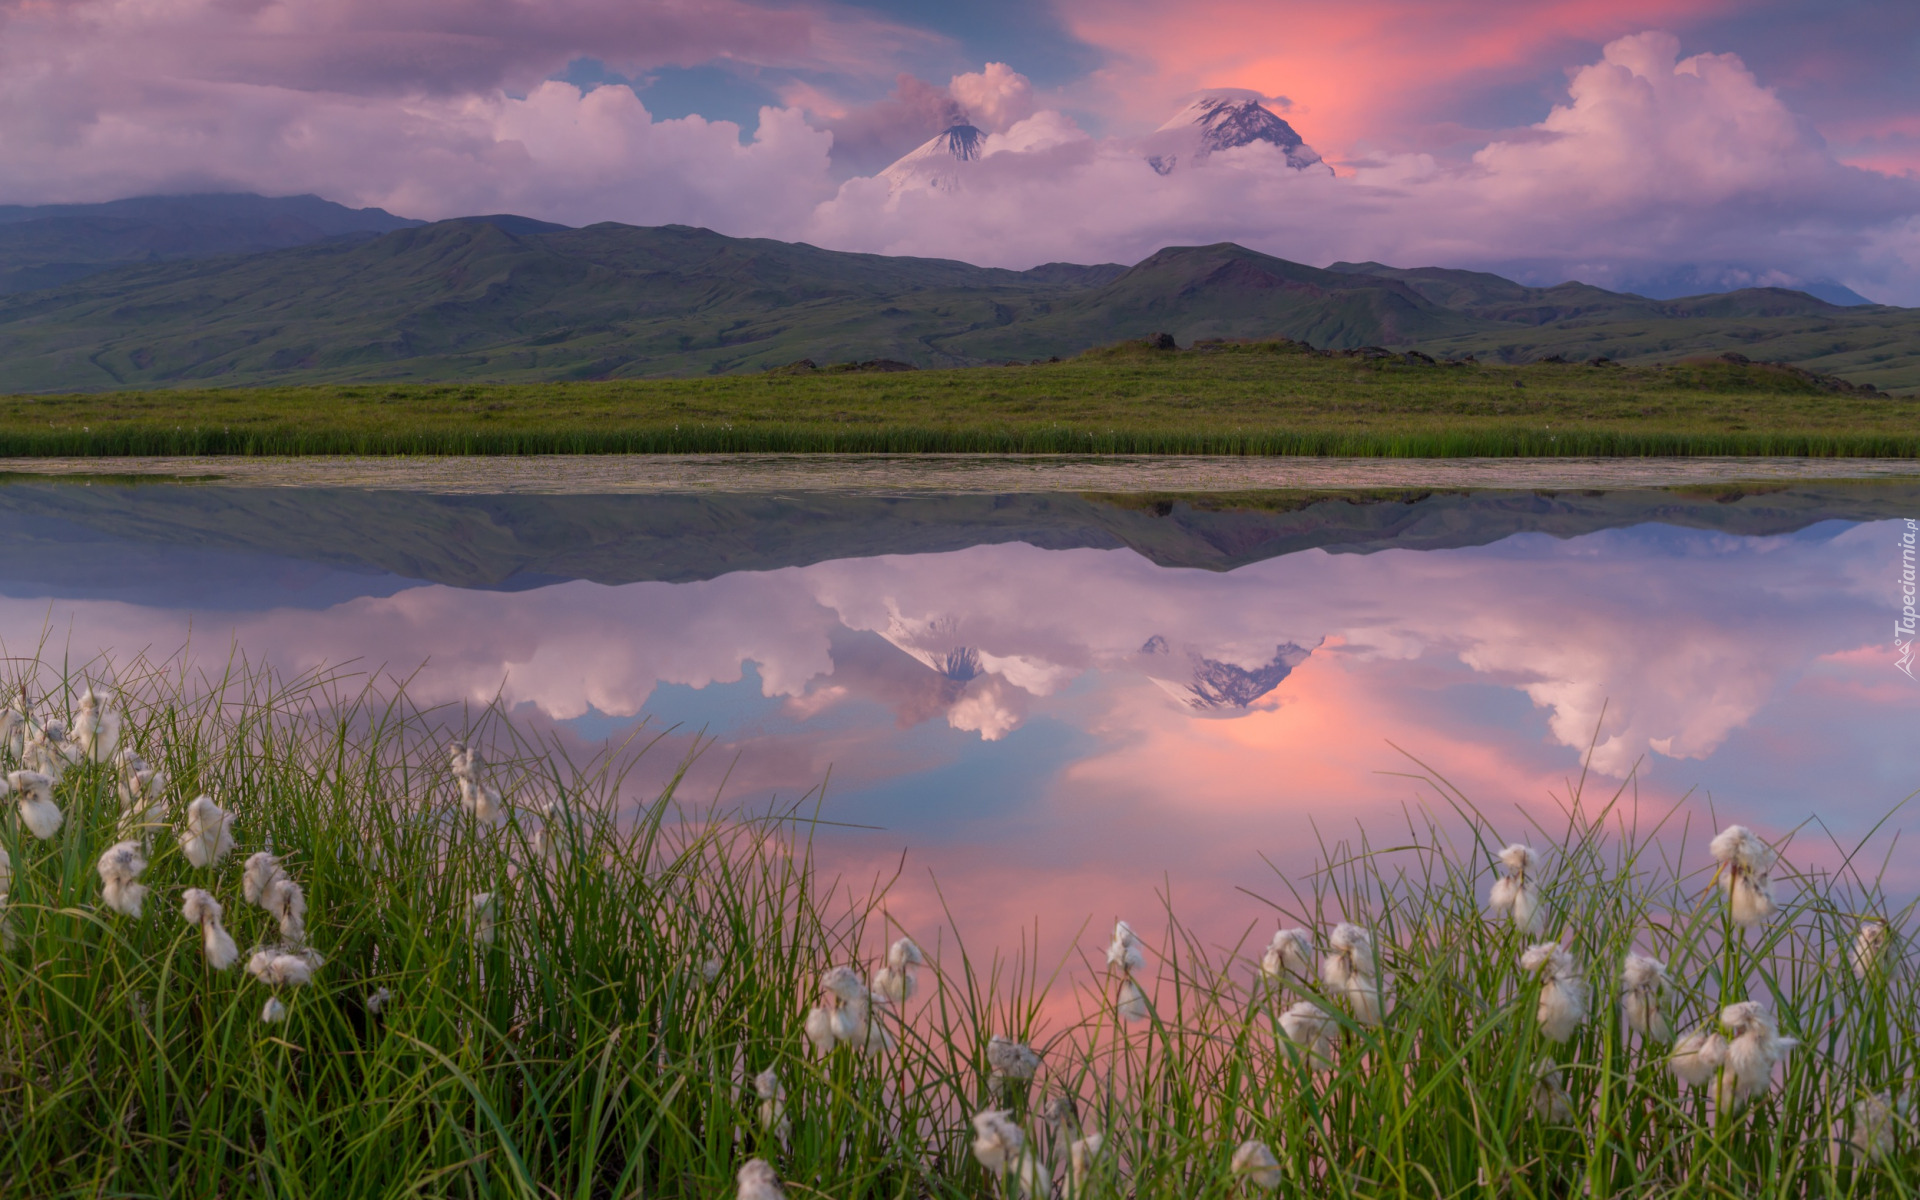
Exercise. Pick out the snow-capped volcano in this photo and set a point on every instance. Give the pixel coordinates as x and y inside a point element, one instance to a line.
<point>938,161</point>
<point>1222,121</point>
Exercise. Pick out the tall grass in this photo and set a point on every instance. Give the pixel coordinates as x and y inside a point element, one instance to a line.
<point>780,438</point>
<point>654,955</point>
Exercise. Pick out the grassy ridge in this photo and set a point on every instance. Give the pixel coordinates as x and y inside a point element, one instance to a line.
<point>648,960</point>
<point>1240,399</point>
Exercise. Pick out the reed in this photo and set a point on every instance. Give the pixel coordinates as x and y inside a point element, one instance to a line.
<point>600,1031</point>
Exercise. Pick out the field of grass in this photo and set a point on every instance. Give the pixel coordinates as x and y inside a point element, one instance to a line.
<point>1270,398</point>
<point>599,1025</point>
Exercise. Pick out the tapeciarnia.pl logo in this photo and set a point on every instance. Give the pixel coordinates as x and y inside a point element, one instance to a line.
<point>1903,627</point>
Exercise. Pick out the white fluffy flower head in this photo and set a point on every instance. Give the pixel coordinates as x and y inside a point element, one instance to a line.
<point>1255,1163</point>
<point>759,1181</point>
<point>1351,969</point>
<point>1010,1059</point>
<point>1697,1057</point>
<point>1754,1049</point>
<point>208,836</point>
<point>1124,951</point>
<point>1643,991</point>
<point>1746,873</point>
<point>1288,958</point>
<point>997,1140</point>
<point>120,867</point>
<point>198,907</point>
<point>1516,894</point>
<point>1563,994</point>
<point>33,791</point>
<point>1312,1029</point>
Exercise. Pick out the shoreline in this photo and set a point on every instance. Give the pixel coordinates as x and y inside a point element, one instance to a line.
<point>565,474</point>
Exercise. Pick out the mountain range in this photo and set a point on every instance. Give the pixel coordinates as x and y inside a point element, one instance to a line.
<point>47,245</point>
<point>510,298</point>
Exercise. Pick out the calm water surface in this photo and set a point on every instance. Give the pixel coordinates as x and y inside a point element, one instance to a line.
<point>1064,705</point>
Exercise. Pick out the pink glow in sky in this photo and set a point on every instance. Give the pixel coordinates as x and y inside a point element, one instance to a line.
<point>1607,141</point>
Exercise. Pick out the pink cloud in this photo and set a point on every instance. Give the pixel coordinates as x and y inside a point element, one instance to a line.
<point>1372,73</point>
<point>1652,159</point>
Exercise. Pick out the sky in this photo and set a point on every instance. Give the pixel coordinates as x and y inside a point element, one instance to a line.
<point>1624,142</point>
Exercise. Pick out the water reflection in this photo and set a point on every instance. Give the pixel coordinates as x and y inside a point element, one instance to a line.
<point>1064,704</point>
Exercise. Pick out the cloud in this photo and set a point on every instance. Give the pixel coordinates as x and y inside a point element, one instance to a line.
<point>867,137</point>
<point>995,97</point>
<point>1653,160</point>
<point>431,107</point>
<point>1366,75</point>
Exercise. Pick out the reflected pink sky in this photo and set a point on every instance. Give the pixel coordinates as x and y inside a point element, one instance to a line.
<point>1023,722</point>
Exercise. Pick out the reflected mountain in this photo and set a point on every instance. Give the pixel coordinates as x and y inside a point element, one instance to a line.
<point>1217,686</point>
<point>67,530</point>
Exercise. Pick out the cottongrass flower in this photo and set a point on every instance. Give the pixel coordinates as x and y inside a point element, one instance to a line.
<point>1869,1133</point>
<point>1643,992</point>
<point>1032,1176</point>
<point>120,884</point>
<point>773,1103</point>
<point>284,966</point>
<point>143,797</point>
<point>1754,1049</point>
<point>847,1017</point>
<point>1311,1028</point>
<point>1563,994</point>
<point>1010,1059</point>
<point>1869,944</point>
<point>38,812</point>
<point>273,1012</point>
<point>895,982</point>
<point>1124,951</point>
<point>1082,1153</point>
<point>1551,1103</point>
<point>476,795</point>
<point>1516,894</point>
<point>819,1030</point>
<point>96,730</point>
<point>1288,959</point>
<point>198,907</point>
<point>482,912</point>
<point>288,904</point>
<point>266,883</point>
<point>1254,1162</point>
<point>1351,969</point>
<point>997,1140</point>
<point>1001,1147</point>
<point>378,999</point>
<point>1746,873</point>
<point>1697,1057</point>
<point>208,837</point>
<point>48,751</point>
<point>758,1181</point>
<point>1125,954</point>
<point>262,871</point>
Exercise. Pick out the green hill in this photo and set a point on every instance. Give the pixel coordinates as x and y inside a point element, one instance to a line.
<point>513,300</point>
<point>48,245</point>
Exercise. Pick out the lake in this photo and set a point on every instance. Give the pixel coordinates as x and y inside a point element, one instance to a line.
<point>1060,695</point>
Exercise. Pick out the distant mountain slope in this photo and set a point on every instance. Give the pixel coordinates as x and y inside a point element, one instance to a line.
<point>52,244</point>
<point>1231,292</point>
<point>507,298</point>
